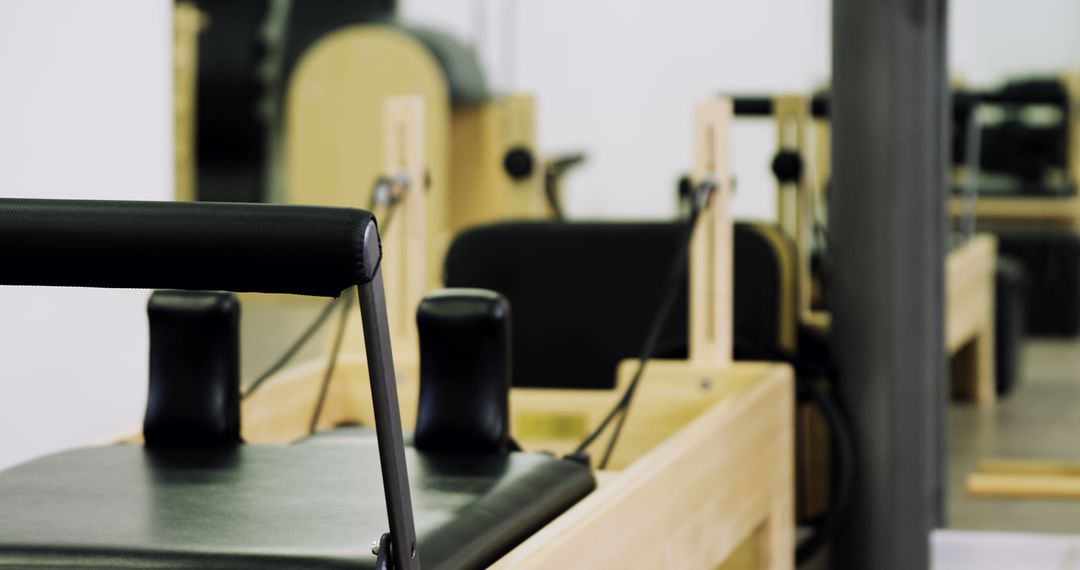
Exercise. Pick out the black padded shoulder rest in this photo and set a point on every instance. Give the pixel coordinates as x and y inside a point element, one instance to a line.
<point>464,372</point>
<point>302,250</point>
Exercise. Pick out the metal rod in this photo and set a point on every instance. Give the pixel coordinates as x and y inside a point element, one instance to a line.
<point>387,417</point>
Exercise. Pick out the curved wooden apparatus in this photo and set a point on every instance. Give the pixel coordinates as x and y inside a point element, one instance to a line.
<point>335,104</point>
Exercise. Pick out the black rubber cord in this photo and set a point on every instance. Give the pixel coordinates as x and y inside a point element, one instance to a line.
<point>295,347</point>
<point>384,190</point>
<point>703,193</point>
<point>332,363</point>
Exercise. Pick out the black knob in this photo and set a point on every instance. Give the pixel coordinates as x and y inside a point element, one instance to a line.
<point>685,186</point>
<point>519,163</point>
<point>787,165</point>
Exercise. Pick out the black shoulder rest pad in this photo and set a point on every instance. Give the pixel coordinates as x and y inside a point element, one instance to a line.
<point>304,250</point>
<point>464,372</point>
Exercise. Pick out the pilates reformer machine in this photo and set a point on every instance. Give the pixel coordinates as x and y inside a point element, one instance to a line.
<point>801,167</point>
<point>332,59</point>
<point>702,472</point>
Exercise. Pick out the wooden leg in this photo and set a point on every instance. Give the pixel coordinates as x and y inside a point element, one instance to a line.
<point>774,540</point>
<point>1025,479</point>
<point>776,537</point>
<point>969,323</point>
<point>973,373</point>
<point>985,374</point>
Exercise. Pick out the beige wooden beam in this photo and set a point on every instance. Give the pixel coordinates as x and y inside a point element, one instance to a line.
<point>711,249</point>
<point>793,124</point>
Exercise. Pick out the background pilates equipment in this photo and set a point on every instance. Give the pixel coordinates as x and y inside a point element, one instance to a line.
<point>1037,220</point>
<point>246,53</point>
<point>687,451</point>
<point>399,197</point>
<point>257,50</point>
<point>292,91</point>
<point>334,104</point>
<point>335,100</point>
<point>970,270</point>
<point>1030,201</point>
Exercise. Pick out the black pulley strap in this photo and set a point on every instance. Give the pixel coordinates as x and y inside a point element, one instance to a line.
<point>302,250</point>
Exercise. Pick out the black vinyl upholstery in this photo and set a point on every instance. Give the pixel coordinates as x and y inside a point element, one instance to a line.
<point>572,332</point>
<point>1010,320</point>
<point>464,372</point>
<point>304,250</point>
<point>194,394</point>
<point>583,294</point>
<point>1051,261</point>
<point>299,506</point>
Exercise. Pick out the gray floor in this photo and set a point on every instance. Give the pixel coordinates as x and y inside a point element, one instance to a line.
<point>1040,420</point>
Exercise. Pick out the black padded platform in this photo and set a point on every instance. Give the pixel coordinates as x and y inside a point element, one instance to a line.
<point>302,506</point>
<point>609,321</point>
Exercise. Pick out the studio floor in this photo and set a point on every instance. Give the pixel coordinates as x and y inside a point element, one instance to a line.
<point>1039,420</point>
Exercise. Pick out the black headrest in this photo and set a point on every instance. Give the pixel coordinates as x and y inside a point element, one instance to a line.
<point>585,293</point>
<point>176,245</point>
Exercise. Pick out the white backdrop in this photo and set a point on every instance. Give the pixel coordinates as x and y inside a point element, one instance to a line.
<point>85,112</point>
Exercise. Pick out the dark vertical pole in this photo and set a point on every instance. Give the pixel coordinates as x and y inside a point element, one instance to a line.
<point>887,223</point>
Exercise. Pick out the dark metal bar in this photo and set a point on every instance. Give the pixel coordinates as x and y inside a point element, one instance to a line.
<point>388,420</point>
<point>752,106</point>
<point>762,106</point>
<point>887,226</point>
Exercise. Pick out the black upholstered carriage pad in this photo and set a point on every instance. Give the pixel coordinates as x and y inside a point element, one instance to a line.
<point>300,506</point>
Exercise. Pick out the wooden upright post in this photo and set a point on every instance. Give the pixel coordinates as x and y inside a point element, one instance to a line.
<point>711,249</point>
<point>187,22</point>
<point>405,241</point>
<point>793,123</point>
<point>1071,79</point>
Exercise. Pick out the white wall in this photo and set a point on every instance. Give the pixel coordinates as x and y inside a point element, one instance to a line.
<point>85,112</point>
<point>993,40</point>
